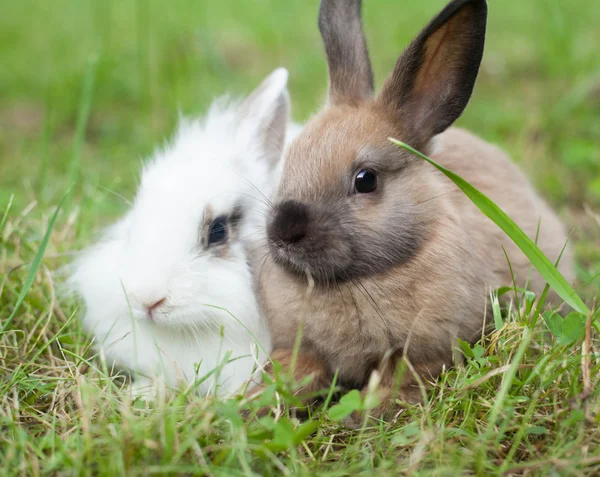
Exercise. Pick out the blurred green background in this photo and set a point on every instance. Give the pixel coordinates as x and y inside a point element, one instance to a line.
<point>135,65</point>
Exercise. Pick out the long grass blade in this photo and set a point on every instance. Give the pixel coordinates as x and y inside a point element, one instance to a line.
<point>35,266</point>
<point>6,211</point>
<point>546,268</point>
<point>83,115</point>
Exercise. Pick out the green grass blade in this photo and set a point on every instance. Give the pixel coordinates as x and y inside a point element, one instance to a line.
<point>45,155</point>
<point>35,265</point>
<point>83,115</point>
<point>491,434</point>
<point>5,215</point>
<point>546,268</point>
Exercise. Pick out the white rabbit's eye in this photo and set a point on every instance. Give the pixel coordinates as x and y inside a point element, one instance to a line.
<point>217,233</point>
<point>365,181</point>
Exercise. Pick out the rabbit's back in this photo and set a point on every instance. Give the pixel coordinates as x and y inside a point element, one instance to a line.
<point>491,171</point>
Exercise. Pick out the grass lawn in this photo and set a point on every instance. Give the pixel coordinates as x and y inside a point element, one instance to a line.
<point>89,88</point>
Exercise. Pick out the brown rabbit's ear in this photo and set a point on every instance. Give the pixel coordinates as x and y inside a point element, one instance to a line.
<point>350,74</point>
<point>433,80</point>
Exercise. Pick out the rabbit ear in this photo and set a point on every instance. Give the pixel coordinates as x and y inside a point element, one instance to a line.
<point>433,80</point>
<point>266,112</point>
<point>350,74</point>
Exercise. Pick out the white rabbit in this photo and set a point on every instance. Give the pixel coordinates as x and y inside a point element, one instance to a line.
<point>169,290</point>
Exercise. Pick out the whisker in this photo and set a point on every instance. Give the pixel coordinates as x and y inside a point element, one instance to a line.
<point>436,197</point>
<point>251,184</point>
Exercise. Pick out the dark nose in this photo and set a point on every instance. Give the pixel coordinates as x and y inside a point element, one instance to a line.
<point>290,222</point>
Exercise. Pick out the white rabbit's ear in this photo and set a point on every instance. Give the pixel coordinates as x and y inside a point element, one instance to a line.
<point>266,113</point>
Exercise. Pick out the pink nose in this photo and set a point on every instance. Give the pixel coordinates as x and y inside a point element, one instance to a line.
<point>155,305</point>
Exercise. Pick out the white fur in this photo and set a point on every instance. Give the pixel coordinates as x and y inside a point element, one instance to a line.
<point>153,252</point>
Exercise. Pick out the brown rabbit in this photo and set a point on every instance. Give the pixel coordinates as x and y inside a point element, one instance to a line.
<point>374,254</point>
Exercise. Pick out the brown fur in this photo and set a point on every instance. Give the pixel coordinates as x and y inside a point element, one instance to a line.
<point>416,306</point>
<point>349,70</point>
<point>301,366</point>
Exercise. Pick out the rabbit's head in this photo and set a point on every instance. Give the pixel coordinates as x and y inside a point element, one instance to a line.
<point>179,257</point>
<point>350,203</point>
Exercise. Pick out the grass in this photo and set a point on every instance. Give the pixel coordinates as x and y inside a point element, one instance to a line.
<point>87,88</point>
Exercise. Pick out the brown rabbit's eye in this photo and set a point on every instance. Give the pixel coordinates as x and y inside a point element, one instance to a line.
<point>365,181</point>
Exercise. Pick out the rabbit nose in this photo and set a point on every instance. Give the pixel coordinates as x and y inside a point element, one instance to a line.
<point>154,306</point>
<point>290,223</point>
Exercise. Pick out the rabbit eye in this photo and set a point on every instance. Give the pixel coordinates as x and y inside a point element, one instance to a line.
<point>365,181</point>
<point>217,233</point>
